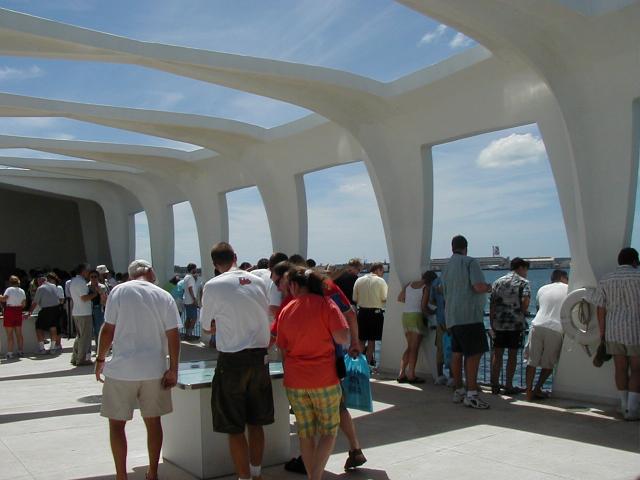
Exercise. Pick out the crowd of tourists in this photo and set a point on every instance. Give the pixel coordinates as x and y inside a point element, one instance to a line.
<point>312,316</point>
<point>62,302</point>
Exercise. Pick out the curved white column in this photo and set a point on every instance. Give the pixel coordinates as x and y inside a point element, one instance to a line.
<point>212,220</point>
<point>117,223</point>
<point>94,243</point>
<point>402,180</point>
<point>286,205</point>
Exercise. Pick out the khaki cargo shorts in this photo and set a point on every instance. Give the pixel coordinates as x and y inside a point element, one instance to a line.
<point>121,397</point>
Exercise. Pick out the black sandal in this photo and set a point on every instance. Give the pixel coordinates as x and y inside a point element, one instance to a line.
<point>296,465</point>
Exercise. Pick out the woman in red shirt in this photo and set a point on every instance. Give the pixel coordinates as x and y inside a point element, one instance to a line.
<point>307,329</point>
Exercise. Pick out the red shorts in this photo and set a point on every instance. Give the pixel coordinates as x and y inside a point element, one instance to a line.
<point>12,317</point>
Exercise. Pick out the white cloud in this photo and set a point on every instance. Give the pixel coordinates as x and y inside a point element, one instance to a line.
<point>163,100</point>
<point>460,40</point>
<point>434,34</point>
<point>512,151</point>
<point>9,73</point>
<point>30,122</point>
<point>63,136</point>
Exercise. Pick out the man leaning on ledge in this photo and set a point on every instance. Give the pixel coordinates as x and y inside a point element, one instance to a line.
<point>141,322</point>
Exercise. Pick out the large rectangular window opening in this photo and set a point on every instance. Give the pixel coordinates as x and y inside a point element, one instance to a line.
<point>497,189</point>
<point>249,232</point>
<point>186,244</point>
<point>143,242</point>
<point>343,216</point>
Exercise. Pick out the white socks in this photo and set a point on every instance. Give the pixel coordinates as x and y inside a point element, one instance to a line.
<point>633,403</point>
<point>624,402</point>
<point>256,471</point>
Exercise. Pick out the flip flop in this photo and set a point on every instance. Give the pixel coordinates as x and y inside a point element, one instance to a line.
<point>513,391</point>
<point>402,380</point>
<point>415,380</point>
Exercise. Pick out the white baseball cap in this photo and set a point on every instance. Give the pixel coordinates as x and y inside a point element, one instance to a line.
<point>102,269</point>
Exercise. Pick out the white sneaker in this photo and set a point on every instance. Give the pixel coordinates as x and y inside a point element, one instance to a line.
<point>441,380</point>
<point>459,396</point>
<point>475,401</point>
<point>9,355</point>
<point>630,416</point>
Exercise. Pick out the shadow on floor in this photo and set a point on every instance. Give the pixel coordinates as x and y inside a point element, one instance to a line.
<point>271,473</point>
<point>188,352</point>
<point>434,413</point>
<point>360,473</point>
<point>62,412</point>
<point>70,372</point>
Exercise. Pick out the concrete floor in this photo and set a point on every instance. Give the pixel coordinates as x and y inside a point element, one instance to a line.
<point>50,428</point>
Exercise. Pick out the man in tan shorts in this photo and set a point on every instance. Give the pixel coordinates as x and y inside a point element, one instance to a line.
<point>546,334</point>
<point>142,322</point>
<point>618,300</point>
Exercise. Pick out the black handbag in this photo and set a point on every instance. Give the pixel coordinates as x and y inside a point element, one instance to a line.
<point>601,355</point>
<point>341,368</point>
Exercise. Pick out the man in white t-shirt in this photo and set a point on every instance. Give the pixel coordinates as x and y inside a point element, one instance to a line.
<point>82,315</point>
<point>546,334</point>
<point>191,299</point>
<point>273,293</point>
<point>141,322</point>
<point>235,306</point>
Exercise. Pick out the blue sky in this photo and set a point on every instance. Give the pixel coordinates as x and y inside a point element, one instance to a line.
<point>495,188</point>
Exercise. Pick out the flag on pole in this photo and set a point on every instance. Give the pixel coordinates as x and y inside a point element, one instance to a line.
<point>496,251</point>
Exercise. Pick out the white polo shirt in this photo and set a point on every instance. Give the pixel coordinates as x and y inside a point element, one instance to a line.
<point>190,281</point>
<point>273,294</point>
<point>549,300</point>
<point>78,288</point>
<point>141,313</point>
<point>15,296</point>
<point>237,301</point>
<point>370,291</point>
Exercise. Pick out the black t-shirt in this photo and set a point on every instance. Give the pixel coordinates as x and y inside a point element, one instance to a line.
<point>345,281</point>
<point>95,301</point>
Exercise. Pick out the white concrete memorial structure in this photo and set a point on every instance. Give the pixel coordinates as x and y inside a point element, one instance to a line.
<point>570,66</point>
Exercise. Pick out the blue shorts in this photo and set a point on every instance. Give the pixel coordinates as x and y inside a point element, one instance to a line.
<point>191,311</point>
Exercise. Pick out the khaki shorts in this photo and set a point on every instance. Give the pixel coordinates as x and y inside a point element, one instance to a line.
<point>615,348</point>
<point>121,397</point>
<point>544,347</point>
